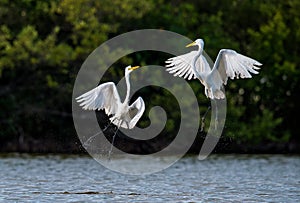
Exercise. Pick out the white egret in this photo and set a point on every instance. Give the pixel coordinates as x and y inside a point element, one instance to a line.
<point>106,97</point>
<point>229,64</point>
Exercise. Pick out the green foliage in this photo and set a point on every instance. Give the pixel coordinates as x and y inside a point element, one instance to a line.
<point>44,43</point>
<point>258,129</point>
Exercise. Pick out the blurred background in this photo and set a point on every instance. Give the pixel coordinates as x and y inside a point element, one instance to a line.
<point>44,43</point>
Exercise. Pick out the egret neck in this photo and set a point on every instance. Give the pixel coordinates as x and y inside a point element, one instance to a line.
<point>128,88</point>
<point>198,74</point>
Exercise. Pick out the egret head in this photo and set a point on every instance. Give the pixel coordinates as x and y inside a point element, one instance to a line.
<point>197,42</point>
<point>129,69</point>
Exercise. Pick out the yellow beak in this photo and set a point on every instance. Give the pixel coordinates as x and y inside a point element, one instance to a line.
<point>134,67</point>
<point>191,44</point>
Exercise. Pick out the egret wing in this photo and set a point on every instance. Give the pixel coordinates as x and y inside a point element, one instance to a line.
<point>182,65</point>
<point>230,64</point>
<point>136,110</point>
<point>105,96</point>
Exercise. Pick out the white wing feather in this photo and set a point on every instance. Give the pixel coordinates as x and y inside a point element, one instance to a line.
<point>182,65</point>
<point>105,96</point>
<point>138,106</point>
<point>131,116</point>
<point>230,64</point>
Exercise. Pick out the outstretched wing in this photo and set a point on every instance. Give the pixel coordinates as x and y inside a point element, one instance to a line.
<point>105,96</point>
<point>182,65</point>
<point>136,110</point>
<point>230,64</point>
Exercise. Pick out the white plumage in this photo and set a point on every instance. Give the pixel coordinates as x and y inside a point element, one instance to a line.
<point>229,64</point>
<point>106,97</point>
<point>180,65</point>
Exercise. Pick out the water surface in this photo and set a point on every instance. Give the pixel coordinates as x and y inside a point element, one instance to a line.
<point>220,178</point>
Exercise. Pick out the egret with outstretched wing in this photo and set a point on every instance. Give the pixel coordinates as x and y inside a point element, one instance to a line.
<point>229,64</point>
<point>106,97</point>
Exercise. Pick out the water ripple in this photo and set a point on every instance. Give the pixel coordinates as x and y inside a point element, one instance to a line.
<point>221,178</point>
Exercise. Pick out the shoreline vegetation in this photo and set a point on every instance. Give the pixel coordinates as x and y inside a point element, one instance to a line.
<point>43,45</point>
<point>224,146</point>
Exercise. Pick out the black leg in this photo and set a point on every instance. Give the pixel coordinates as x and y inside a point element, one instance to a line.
<point>108,125</point>
<point>112,143</point>
<point>203,119</point>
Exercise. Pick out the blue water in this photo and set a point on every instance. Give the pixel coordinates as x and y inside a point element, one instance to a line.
<point>220,178</point>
